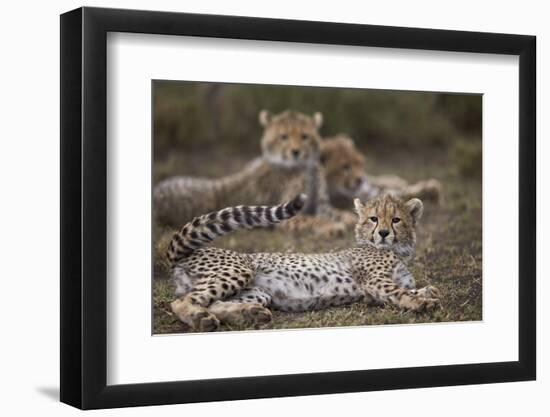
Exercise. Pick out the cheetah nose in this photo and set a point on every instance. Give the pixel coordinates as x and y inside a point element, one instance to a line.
<point>295,153</point>
<point>384,233</point>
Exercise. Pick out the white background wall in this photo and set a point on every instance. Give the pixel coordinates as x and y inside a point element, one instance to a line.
<point>29,237</point>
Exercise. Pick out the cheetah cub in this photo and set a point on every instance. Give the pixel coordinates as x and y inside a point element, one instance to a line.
<point>288,165</point>
<point>216,285</point>
<point>345,170</point>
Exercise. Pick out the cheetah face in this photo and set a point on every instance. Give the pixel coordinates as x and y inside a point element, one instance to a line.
<point>388,223</point>
<point>344,166</point>
<point>291,139</point>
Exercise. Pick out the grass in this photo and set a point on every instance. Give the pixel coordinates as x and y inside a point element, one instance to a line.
<point>448,255</point>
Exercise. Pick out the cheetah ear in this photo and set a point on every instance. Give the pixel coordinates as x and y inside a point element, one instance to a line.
<point>318,119</point>
<point>415,208</point>
<point>358,206</point>
<point>264,117</point>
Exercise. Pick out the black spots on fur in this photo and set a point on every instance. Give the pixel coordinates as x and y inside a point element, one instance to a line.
<point>324,278</point>
<point>241,282</point>
<point>249,220</point>
<point>237,215</point>
<point>212,216</point>
<point>177,237</point>
<point>279,212</point>
<point>213,227</point>
<point>214,292</point>
<point>339,280</point>
<point>224,215</point>
<point>247,213</point>
<point>225,286</point>
<point>297,203</point>
<point>205,237</point>
<point>196,222</point>
<point>269,216</point>
<point>194,234</point>
<point>225,227</point>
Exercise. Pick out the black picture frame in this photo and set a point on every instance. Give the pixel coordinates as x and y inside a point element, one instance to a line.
<point>84,207</point>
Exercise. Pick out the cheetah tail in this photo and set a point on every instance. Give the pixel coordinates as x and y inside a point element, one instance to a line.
<point>203,229</point>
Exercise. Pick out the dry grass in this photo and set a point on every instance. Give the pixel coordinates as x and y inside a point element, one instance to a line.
<point>449,253</point>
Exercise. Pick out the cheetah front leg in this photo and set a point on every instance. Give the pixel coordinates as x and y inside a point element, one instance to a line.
<point>192,308</point>
<point>248,306</point>
<point>383,289</point>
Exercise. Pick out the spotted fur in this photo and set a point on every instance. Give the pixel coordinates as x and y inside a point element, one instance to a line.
<point>345,170</point>
<point>204,229</point>
<point>216,284</point>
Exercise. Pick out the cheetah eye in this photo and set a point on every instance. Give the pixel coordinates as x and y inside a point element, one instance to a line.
<point>396,220</point>
<point>284,136</point>
<point>373,219</point>
<point>305,137</point>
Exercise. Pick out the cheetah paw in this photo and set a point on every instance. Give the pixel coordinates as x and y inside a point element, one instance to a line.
<point>208,323</point>
<point>257,314</point>
<point>204,321</point>
<point>426,305</point>
<point>429,292</point>
<point>198,318</point>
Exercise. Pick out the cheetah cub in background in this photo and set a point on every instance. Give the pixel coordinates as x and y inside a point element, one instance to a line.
<point>216,285</point>
<point>345,170</point>
<point>289,165</point>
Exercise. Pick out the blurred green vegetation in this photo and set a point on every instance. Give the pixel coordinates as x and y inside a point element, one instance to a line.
<point>191,115</point>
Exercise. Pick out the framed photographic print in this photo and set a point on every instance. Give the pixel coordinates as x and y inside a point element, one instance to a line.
<point>257,208</point>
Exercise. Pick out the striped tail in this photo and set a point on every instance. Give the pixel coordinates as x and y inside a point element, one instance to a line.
<point>204,229</point>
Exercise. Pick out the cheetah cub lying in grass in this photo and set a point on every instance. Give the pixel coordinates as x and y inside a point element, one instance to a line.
<point>216,285</point>
<point>345,170</point>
